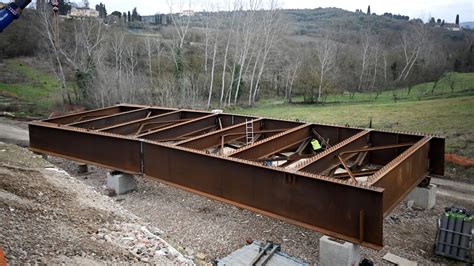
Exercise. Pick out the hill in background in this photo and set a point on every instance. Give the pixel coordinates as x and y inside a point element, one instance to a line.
<point>469,24</point>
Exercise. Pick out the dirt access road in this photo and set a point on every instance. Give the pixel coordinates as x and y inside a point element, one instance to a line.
<point>201,227</point>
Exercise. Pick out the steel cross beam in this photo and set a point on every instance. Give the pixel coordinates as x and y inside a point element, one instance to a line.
<point>272,145</point>
<point>83,116</point>
<point>302,196</point>
<point>132,127</point>
<point>181,129</point>
<point>120,118</point>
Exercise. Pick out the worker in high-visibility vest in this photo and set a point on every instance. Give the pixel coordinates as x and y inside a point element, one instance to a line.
<point>316,145</point>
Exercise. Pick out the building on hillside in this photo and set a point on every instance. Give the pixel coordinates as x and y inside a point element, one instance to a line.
<point>83,12</point>
<point>165,19</point>
<point>152,20</point>
<point>452,27</point>
<point>158,19</point>
<point>187,13</point>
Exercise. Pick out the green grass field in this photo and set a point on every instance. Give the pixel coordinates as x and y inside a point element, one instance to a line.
<point>444,113</point>
<point>23,81</point>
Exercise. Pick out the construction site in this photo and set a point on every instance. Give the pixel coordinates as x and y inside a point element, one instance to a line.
<point>219,186</point>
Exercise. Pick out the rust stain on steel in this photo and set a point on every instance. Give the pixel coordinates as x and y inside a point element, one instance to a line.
<point>213,139</point>
<point>273,144</point>
<point>335,206</point>
<point>83,116</point>
<point>87,146</point>
<point>299,198</point>
<point>402,174</point>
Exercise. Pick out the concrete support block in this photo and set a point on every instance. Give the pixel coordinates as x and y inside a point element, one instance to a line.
<point>82,168</point>
<point>335,252</point>
<point>424,198</point>
<point>120,182</point>
<point>44,156</point>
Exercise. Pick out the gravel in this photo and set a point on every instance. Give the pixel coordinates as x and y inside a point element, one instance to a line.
<point>47,216</point>
<point>198,225</point>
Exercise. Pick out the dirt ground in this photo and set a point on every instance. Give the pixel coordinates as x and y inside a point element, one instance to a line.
<point>47,216</point>
<point>216,229</point>
<point>200,227</point>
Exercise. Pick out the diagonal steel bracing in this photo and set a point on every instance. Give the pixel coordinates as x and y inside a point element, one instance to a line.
<point>322,190</point>
<point>265,127</point>
<point>115,119</point>
<point>141,126</point>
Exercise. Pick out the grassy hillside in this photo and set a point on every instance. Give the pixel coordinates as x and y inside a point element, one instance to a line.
<point>441,112</point>
<point>451,85</point>
<point>25,85</point>
<point>311,21</point>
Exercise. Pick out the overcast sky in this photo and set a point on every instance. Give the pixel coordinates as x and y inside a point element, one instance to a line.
<point>444,9</point>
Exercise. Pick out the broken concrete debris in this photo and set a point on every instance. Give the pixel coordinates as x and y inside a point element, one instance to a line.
<point>141,242</point>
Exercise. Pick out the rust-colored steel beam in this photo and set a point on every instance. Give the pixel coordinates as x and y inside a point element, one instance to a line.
<point>403,174</point>
<point>295,197</point>
<point>292,158</point>
<point>83,116</point>
<point>327,159</point>
<point>339,208</point>
<point>272,145</point>
<point>378,148</point>
<point>347,168</point>
<point>106,150</point>
<point>214,139</point>
<point>182,128</point>
<point>120,118</point>
<point>129,128</point>
<point>361,173</point>
<point>146,124</point>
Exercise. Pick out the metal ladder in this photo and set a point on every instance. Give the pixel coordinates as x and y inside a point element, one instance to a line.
<point>249,133</point>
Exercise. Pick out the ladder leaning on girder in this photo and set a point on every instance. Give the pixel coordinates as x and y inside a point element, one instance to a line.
<point>249,132</point>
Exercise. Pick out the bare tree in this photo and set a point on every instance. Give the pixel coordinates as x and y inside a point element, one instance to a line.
<point>213,65</point>
<point>46,27</point>
<point>364,59</point>
<point>293,65</point>
<point>224,64</point>
<point>413,41</point>
<point>273,32</point>
<point>326,54</point>
<point>180,21</point>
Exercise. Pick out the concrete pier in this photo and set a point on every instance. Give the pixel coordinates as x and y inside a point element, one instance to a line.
<point>336,252</point>
<point>120,182</point>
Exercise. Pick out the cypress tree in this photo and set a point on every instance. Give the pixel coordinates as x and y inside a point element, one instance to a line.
<point>457,19</point>
<point>368,10</point>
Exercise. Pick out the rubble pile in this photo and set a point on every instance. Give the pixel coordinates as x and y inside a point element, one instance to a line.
<point>143,243</point>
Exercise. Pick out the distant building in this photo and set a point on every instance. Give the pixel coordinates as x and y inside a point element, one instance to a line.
<point>452,27</point>
<point>165,19</point>
<point>82,12</point>
<point>158,19</point>
<point>187,13</point>
<point>152,20</point>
